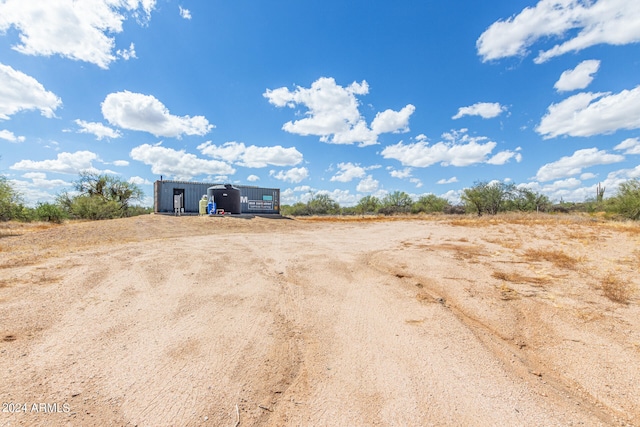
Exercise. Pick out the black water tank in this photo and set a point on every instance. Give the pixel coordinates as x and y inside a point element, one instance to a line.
<point>227,197</point>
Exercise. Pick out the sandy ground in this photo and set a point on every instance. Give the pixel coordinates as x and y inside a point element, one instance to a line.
<point>164,321</point>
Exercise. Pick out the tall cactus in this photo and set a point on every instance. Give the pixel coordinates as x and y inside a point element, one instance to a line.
<point>600,193</point>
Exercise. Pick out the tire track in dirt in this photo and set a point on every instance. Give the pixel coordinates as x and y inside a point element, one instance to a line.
<point>513,344</point>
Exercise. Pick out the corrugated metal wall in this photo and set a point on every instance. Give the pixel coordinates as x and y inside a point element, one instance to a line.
<point>252,199</point>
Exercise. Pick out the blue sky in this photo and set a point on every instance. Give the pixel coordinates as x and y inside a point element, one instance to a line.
<point>347,98</point>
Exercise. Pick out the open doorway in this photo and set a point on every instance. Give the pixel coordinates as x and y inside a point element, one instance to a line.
<point>178,199</point>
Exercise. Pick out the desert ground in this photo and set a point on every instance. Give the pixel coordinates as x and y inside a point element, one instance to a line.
<point>516,320</point>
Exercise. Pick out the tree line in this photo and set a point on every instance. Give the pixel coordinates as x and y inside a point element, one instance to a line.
<point>100,196</point>
<point>93,196</point>
<point>482,198</point>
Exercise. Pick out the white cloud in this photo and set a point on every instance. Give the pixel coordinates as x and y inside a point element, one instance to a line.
<point>79,30</point>
<point>185,13</point>
<point>127,54</point>
<point>448,181</point>
<point>253,178</point>
<point>294,175</point>
<point>97,129</point>
<point>39,180</point>
<point>629,145</point>
<point>392,121</point>
<point>137,180</point>
<point>368,185</point>
<point>401,174</point>
<point>179,164</point>
<point>416,181</point>
<point>37,187</point>
<point>121,163</point>
<point>578,78</point>
<point>504,156</point>
<point>574,164</point>
<point>587,114</point>
<point>69,163</point>
<point>10,136</point>
<point>486,110</point>
<point>19,92</point>
<point>333,113</point>
<point>584,22</point>
<point>587,175</point>
<point>136,111</point>
<point>457,149</point>
<point>343,197</point>
<point>348,172</point>
<point>252,156</point>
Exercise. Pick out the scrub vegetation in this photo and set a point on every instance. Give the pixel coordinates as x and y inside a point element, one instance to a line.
<point>94,196</point>
<point>483,198</point>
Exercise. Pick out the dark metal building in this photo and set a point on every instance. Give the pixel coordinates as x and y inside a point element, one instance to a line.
<point>253,200</point>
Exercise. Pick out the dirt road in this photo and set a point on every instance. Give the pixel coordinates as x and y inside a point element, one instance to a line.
<point>162,321</point>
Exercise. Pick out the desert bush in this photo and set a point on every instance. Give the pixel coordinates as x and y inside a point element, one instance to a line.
<point>429,203</point>
<point>455,210</point>
<point>10,201</point>
<point>396,202</point>
<point>49,212</point>
<point>627,200</point>
<point>99,197</point>
<point>485,197</point>
<point>368,205</point>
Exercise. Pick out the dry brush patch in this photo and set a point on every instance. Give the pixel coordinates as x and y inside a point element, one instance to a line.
<point>515,277</point>
<point>617,289</point>
<point>558,258</point>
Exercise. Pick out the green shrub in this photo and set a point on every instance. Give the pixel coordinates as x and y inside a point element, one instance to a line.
<point>627,201</point>
<point>50,213</point>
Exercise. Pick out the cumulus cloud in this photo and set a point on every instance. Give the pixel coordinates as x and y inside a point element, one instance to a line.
<point>294,175</point>
<point>448,181</point>
<point>486,110</point>
<point>19,92</point>
<point>137,180</point>
<point>333,113</point>
<point>504,156</point>
<point>457,149</point>
<point>578,78</point>
<point>98,129</point>
<point>629,146</point>
<point>574,164</point>
<point>402,174</point>
<point>136,111</point>
<point>10,136</point>
<point>252,156</point>
<point>587,114</point>
<point>78,30</point>
<point>177,163</point>
<point>185,13</point>
<point>253,178</point>
<point>69,163</point>
<point>580,23</point>
<point>121,163</point>
<point>392,121</point>
<point>348,172</point>
<point>368,185</point>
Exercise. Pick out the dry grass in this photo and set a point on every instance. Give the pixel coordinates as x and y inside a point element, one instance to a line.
<point>461,252</point>
<point>616,289</point>
<point>505,243</point>
<point>507,293</point>
<point>558,258</point>
<point>519,278</point>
